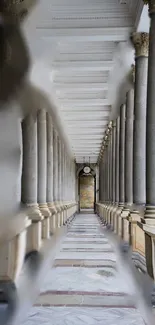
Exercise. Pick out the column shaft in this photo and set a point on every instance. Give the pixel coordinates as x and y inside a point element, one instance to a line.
<point>59,171</point>
<point>113,161</point>
<point>42,162</point>
<point>150,117</point>
<point>110,167</point>
<point>122,155</point>
<point>55,166</point>
<point>49,160</point>
<point>129,147</point>
<point>50,164</point>
<point>139,142</point>
<point>117,161</point>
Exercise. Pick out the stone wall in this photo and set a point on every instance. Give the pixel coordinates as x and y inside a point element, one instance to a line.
<point>86,192</point>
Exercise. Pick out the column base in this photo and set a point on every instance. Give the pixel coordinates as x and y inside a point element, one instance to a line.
<point>34,212</point>
<point>44,209</point>
<point>109,211</point>
<point>148,226</point>
<point>46,222</point>
<point>12,252</point>
<point>125,224</point>
<point>58,213</point>
<point>52,208</point>
<point>113,216</point>
<point>118,221</point>
<point>61,213</point>
<point>34,234</point>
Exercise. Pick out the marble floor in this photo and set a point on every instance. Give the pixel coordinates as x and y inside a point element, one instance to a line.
<point>84,286</point>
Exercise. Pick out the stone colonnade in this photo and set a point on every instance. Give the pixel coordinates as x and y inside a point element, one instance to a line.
<point>46,183</point>
<point>127,159</point>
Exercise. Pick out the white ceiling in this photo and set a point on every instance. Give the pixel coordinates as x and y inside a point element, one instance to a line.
<point>78,42</point>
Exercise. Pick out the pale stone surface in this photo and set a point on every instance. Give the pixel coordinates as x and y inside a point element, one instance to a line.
<point>87,255</point>
<point>73,286</point>
<point>91,246</point>
<point>83,279</point>
<point>81,316</point>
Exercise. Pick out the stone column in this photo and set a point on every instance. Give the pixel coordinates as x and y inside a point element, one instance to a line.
<point>110,205</point>
<point>117,161</point>
<point>128,163</point>
<point>140,41</point>
<point>102,186</point>
<point>121,168</point>
<point>150,123</point>
<point>122,156</point>
<point>113,172</point>
<point>113,161</point>
<point>110,165</point>
<point>42,171</point>
<point>55,175</point>
<point>129,147</point>
<point>50,172</point>
<point>107,139</point>
<point>101,180</point>
<point>60,181</point>
<point>149,221</point>
<point>30,180</point>
<point>65,185</point>
<point>106,169</point>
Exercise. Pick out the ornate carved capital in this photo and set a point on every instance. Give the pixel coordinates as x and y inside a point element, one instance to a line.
<point>151,4</point>
<point>141,43</point>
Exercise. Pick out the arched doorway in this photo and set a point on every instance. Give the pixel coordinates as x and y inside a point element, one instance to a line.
<point>87,190</point>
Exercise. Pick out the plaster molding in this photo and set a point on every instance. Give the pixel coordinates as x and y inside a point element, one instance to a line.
<point>141,43</point>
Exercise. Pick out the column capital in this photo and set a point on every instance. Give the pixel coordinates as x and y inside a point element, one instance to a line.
<point>141,43</point>
<point>151,4</point>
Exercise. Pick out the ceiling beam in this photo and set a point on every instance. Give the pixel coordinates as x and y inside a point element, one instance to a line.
<point>79,87</point>
<point>86,132</point>
<point>97,125</point>
<point>63,66</point>
<point>86,146</point>
<point>105,108</point>
<point>86,142</point>
<point>111,34</point>
<point>84,102</point>
<point>85,117</point>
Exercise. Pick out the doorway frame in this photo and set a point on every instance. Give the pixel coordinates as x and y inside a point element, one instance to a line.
<point>93,174</point>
